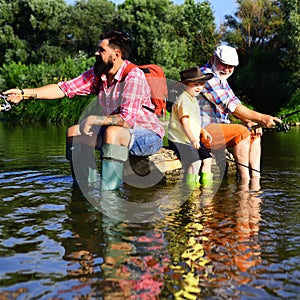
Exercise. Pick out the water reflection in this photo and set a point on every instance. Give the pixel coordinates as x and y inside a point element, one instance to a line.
<point>129,258</point>
<point>239,243</point>
<point>218,244</point>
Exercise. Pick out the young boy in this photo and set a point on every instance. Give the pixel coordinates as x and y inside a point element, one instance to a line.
<point>185,130</point>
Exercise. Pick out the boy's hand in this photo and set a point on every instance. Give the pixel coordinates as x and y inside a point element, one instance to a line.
<point>195,144</point>
<point>205,135</point>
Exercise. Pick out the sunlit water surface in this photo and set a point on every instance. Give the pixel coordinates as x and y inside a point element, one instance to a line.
<point>235,244</point>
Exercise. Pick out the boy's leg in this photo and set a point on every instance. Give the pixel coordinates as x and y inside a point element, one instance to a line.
<point>192,176</point>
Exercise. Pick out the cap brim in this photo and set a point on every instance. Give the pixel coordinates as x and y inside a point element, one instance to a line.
<point>228,63</point>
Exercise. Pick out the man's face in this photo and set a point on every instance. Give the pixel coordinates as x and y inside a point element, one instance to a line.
<point>223,71</point>
<point>105,57</point>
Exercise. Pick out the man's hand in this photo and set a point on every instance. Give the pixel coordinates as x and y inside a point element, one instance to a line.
<point>254,127</point>
<point>86,124</point>
<point>269,121</point>
<point>14,95</point>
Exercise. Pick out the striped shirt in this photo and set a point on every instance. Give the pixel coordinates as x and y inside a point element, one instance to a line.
<point>223,101</point>
<point>125,98</point>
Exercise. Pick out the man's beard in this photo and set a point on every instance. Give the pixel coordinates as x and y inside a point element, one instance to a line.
<point>101,67</point>
<point>219,73</point>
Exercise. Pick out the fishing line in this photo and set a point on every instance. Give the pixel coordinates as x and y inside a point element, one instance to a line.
<point>279,127</point>
<point>266,174</point>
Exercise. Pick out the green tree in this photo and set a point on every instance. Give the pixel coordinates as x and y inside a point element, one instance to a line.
<point>32,30</point>
<point>195,22</point>
<point>255,31</point>
<point>87,21</point>
<point>174,36</point>
<point>12,48</point>
<point>290,35</point>
<point>256,23</point>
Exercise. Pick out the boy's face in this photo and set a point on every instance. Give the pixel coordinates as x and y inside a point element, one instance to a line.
<point>194,88</point>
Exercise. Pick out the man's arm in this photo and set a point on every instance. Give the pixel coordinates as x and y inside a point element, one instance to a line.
<point>113,120</point>
<point>245,114</point>
<point>51,91</point>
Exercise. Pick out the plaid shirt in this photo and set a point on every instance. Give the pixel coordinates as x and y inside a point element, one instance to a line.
<point>222,101</point>
<point>125,98</point>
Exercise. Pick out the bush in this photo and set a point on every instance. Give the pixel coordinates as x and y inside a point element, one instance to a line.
<point>292,106</point>
<point>63,111</point>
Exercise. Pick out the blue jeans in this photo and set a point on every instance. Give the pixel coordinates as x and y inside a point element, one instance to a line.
<point>144,142</point>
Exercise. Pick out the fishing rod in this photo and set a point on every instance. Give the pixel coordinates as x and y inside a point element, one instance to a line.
<point>289,114</point>
<point>263,173</point>
<point>280,126</point>
<point>6,105</point>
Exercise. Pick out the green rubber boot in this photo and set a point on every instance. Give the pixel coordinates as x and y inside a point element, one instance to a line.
<point>112,166</point>
<point>192,181</point>
<point>111,174</point>
<point>83,164</point>
<point>206,178</point>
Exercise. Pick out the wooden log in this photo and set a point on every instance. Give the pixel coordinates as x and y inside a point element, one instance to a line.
<point>166,163</point>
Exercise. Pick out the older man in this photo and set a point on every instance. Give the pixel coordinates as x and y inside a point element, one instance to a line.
<point>219,102</point>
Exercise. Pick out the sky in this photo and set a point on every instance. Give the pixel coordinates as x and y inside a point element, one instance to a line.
<point>220,7</point>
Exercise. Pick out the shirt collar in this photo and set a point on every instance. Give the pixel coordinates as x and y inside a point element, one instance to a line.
<point>118,75</point>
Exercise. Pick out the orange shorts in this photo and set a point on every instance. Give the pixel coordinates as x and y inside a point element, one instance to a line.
<point>225,135</point>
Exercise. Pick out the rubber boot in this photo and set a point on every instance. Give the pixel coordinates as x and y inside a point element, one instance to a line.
<point>83,164</point>
<point>206,178</point>
<point>192,181</point>
<point>111,174</point>
<point>112,165</point>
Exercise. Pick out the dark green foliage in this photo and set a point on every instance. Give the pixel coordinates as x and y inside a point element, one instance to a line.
<point>267,35</point>
<point>43,42</point>
<point>65,110</point>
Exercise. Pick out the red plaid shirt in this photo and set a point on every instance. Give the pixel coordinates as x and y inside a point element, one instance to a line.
<point>125,98</point>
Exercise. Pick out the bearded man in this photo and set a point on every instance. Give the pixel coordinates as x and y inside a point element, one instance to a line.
<point>218,102</point>
<point>126,124</point>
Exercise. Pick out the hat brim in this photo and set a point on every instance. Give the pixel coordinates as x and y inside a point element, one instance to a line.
<point>204,78</point>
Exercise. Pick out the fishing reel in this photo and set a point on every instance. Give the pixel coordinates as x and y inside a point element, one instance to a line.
<point>4,105</point>
<point>281,127</point>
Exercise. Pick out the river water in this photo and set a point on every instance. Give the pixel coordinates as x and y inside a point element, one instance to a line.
<point>237,243</point>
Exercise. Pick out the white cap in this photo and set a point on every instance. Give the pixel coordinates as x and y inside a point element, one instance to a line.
<point>227,55</point>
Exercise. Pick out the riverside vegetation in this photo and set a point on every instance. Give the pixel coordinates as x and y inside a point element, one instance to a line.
<point>45,42</point>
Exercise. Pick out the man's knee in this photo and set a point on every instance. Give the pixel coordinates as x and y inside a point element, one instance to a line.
<point>117,135</point>
<point>226,135</point>
<point>73,131</point>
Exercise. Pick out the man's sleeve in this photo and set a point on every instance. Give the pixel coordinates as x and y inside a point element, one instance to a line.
<point>84,84</point>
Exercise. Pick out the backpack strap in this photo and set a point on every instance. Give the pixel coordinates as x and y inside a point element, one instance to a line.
<point>128,68</point>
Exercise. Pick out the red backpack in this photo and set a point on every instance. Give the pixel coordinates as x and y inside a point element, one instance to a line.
<point>158,85</point>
